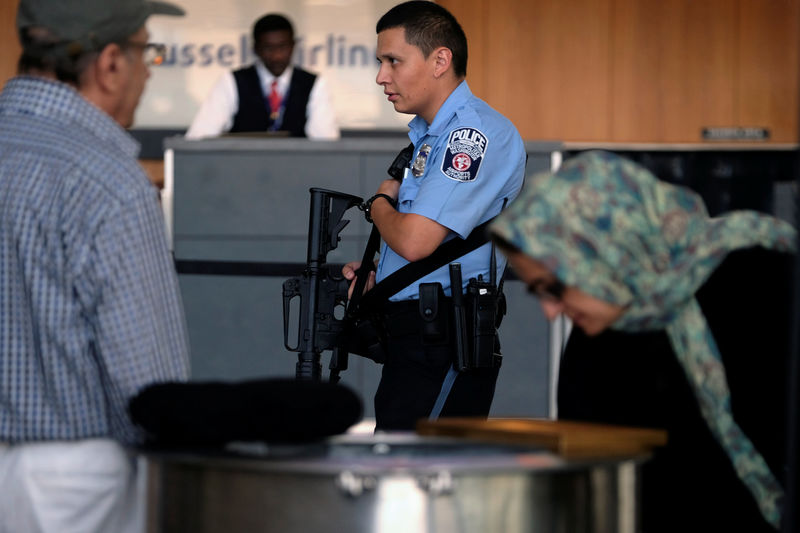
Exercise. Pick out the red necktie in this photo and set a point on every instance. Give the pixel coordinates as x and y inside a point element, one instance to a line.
<point>274,101</point>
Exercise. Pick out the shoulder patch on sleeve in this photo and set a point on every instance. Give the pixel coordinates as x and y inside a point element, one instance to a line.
<point>464,154</point>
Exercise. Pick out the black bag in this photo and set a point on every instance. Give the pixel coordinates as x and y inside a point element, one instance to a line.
<point>213,413</point>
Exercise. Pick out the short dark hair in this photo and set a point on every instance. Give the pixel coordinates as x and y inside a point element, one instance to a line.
<point>272,22</point>
<point>43,51</point>
<point>429,26</point>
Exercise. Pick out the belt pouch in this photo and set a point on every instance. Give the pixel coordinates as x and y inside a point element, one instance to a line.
<point>433,316</point>
<point>482,300</point>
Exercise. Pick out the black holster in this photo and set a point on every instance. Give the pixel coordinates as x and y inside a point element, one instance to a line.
<point>434,310</point>
<point>484,310</point>
<point>365,337</point>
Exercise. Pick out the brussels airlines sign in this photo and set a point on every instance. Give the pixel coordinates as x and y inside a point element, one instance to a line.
<point>333,52</point>
<point>334,38</point>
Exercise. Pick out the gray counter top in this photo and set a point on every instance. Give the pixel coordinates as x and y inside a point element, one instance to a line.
<point>350,144</point>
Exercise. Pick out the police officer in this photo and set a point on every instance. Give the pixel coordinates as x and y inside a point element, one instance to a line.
<point>468,162</point>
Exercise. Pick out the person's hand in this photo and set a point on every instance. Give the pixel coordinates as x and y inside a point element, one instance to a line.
<point>349,273</point>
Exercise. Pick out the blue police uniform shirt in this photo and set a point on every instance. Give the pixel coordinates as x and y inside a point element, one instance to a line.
<point>467,164</point>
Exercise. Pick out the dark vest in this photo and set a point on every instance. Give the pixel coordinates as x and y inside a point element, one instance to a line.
<point>254,111</point>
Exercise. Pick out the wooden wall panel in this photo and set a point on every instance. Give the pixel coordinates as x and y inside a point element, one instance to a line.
<point>155,171</point>
<point>674,65</point>
<point>471,15</point>
<point>617,70</point>
<point>552,83</point>
<point>700,87</point>
<point>767,79</point>
<point>636,70</point>
<point>9,43</point>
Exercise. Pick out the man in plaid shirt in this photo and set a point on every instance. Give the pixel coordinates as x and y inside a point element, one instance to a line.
<point>90,310</point>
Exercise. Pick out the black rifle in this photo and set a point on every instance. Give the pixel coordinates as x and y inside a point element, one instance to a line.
<point>321,287</point>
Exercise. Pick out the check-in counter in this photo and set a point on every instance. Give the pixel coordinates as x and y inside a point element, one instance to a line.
<point>246,200</point>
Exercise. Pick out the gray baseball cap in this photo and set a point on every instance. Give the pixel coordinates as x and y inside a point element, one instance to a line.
<point>85,25</point>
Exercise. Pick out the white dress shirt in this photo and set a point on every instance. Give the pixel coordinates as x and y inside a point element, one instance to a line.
<point>216,113</point>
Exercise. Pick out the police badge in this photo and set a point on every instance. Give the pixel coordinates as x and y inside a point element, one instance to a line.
<point>464,154</point>
<point>418,168</point>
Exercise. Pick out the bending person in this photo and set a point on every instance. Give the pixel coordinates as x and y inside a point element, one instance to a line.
<point>683,322</point>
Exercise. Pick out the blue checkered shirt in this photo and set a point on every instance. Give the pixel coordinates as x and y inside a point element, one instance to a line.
<point>90,310</point>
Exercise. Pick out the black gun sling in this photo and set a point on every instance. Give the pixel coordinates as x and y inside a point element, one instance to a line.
<point>444,254</point>
<point>361,336</point>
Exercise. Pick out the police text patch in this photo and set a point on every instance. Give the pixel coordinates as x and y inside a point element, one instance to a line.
<point>464,154</point>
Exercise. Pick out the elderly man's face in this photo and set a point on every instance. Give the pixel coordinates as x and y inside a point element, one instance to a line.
<point>135,78</point>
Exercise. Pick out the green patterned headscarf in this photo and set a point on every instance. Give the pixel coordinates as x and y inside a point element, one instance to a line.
<point>607,226</point>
